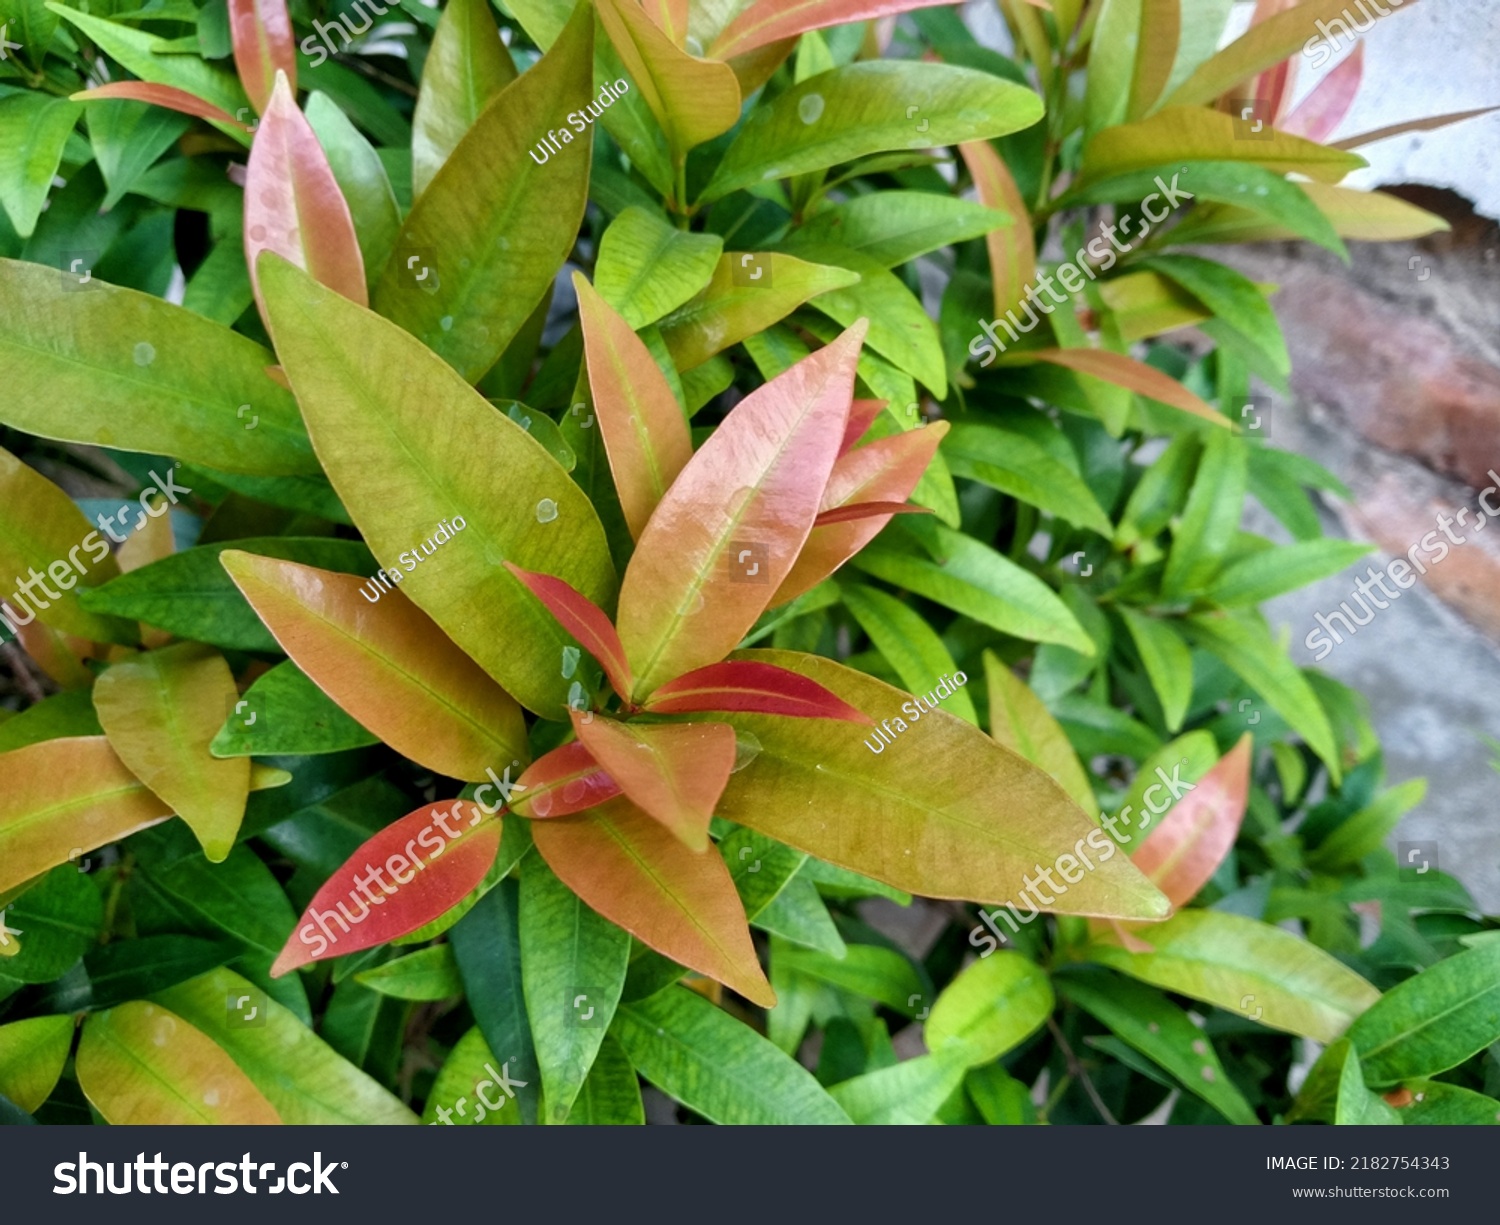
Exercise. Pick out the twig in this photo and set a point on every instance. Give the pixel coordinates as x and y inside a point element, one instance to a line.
<point>24,679</point>
<point>1076,1068</point>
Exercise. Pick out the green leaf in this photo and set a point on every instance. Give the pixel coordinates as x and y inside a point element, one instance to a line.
<point>648,268</point>
<point>63,714</point>
<point>989,1008</point>
<point>1434,1020</point>
<point>33,130</point>
<point>1021,468</point>
<point>132,969</point>
<point>32,1054</point>
<point>427,974</point>
<point>1261,576</point>
<point>868,970</point>
<point>867,108</point>
<point>1001,1098</point>
<point>138,51</point>
<point>1251,653</point>
<point>611,1096</point>
<point>966,575</point>
<point>910,1093</point>
<point>717,1066</point>
<point>298,1072</point>
<point>1022,723</point>
<point>1439,1104</point>
<point>1231,298</point>
<point>900,328</point>
<point>468,1074</point>
<point>985,814</point>
<point>797,913</point>
<point>115,368</point>
<point>409,445</point>
<point>1356,1105</point>
<point>909,644</point>
<point>1366,831</point>
<point>127,137</point>
<point>54,922</point>
<point>748,293</point>
<point>1211,519</point>
<point>1168,662</point>
<point>361,177</point>
<point>1147,1021</point>
<point>487,944</point>
<point>284,712</point>
<point>190,595</point>
<point>1237,183</point>
<point>573,965</point>
<point>1247,968</point>
<point>494,226</point>
<point>895,227</point>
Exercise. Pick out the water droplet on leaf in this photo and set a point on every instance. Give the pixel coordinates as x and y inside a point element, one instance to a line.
<point>810,109</point>
<point>144,354</point>
<point>546,510</point>
<point>747,748</point>
<point>570,656</point>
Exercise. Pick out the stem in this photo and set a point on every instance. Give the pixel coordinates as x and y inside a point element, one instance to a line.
<point>1075,1068</point>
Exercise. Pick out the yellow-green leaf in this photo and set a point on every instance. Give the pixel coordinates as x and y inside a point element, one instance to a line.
<point>139,1063</point>
<point>160,710</point>
<point>409,445</point>
<point>1248,968</point>
<point>940,810</point>
<point>748,293</point>
<point>989,1008</point>
<point>388,666</point>
<point>32,1054</point>
<point>466,66</point>
<point>1020,722</point>
<point>42,534</point>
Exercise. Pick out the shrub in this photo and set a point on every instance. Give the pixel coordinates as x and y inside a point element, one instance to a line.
<point>536,641</point>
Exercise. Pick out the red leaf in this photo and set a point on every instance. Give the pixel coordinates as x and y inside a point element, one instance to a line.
<point>1319,114</point>
<point>638,876</point>
<point>730,528</point>
<point>862,414</point>
<point>169,96</point>
<point>768,21</point>
<point>886,470</point>
<point>867,510</point>
<point>348,914</point>
<point>742,685</point>
<point>1184,851</point>
<point>562,782</point>
<point>585,620</point>
<point>294,207</point>
<point>263,42</point>
<point>674,772</point>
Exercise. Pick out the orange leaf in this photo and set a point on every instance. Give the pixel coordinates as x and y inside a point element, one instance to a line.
<point>675,772</point>
<point>1138,377</point>
<point>638,876</point>
<point>746,685</point>
<point>585,620</point>
<point>263,44</point>
<point>562,782</point>
<point>644,429</point>
<point>387,664</point>
<point>671,17</point>
<point>169,96</point>
<point>1319,114</point>
<point>730,528</point>
<point>458,844</point>
<point>886,470</point>
<point>294,207</point>
<point>862,414</point>
<point>1011,248</point>
<point>65,796</point>
<point>768,21</point>
<point>1182,853</point>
